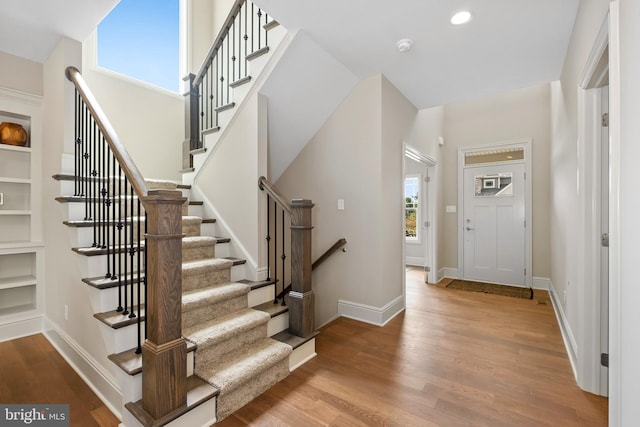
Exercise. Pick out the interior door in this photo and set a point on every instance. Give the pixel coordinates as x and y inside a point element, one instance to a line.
<point>494,223</point>
<point>604,247</point>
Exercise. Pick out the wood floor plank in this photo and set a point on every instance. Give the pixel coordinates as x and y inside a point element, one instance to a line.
<point>453,358</point>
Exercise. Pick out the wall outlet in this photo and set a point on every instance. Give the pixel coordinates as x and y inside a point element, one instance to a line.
<point>451,209</point>
<point>66,312</point>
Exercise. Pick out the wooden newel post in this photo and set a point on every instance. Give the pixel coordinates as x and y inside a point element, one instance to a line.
<point>301,298</point>
<point>191,118</point>
<point>164,353</point>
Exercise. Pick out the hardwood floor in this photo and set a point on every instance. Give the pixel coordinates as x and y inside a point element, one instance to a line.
<point>453,358</point>
<point>32,371</point>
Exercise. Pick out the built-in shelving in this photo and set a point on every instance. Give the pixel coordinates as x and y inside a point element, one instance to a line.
<point>21,249</point>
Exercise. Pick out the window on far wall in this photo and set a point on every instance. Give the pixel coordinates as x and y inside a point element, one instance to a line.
<point>140,39</point>
<point>411,204</point>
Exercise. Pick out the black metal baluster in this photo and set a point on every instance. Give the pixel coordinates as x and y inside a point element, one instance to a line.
<point>217,79</point>
<point>252,28</point>
<point>117,248</point>
<point>76,145</point>
<point>104,182</point>
<point>139,281</point>
<point>233,51</point>
<point>268,239</point>
<point>93,178</point>
<point>258,29</point>
<point>114,225</point>
<point>239,18</point>
<point>123,247</point>
<point>228,74</point>
<point>211,100</point>
<point>201,95</point>
<point>108,202</point>
<point>283,257</point>
<point>85,163</point>
<point>145,271</point>
<point>132,252</point>
<point>275,251</point>
<point>266,33</point>
<point>246,40</point>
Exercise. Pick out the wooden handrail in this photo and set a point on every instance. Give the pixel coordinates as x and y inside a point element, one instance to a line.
<point>337,245</point>
<point>219,39</point>
<point>265,185</point>
<point>126,162</point>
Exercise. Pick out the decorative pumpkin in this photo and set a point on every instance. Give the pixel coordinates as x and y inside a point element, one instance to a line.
<point>13,134</point>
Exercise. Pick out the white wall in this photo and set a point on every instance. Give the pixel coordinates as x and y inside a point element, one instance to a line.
<point>356,150</point>
<point>62,266</point>
<point>625,292</point>
<point>20,74</point>
<point>518,114</point>
<point>149,120</point>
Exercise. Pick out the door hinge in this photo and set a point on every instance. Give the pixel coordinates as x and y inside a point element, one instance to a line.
<point>427,223</point>
<point>427,179</point>
<point>604,359</point>
<point>427,269</point>
<point>525,223</point>
<point>605,120</point>
<point>525,271</point>
<point>604,240</point>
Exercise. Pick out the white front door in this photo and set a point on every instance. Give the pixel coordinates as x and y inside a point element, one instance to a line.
<point>494,223</point>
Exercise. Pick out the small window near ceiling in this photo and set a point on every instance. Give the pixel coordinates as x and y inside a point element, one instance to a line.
<point>140,39</point>
<point>411,207</point>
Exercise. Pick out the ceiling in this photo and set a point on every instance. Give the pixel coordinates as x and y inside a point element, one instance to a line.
<point>32,28</point>
<point>508,44</point>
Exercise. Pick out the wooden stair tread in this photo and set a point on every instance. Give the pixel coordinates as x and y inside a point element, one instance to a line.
<point>258,284</point>
<point>131,362</point>
<point>293,340</point>
<point>257,53</point>
<point>272,309</point>
<point>240,82</point>
<point>236,261</point>
<point>222,239</point>
<point>225,107</point>
<point>91,251</point>
<point>271,25</point>
<point>102,282</point>
<point>208,220</point>
<point>198,392</point>
<point>116,320</point>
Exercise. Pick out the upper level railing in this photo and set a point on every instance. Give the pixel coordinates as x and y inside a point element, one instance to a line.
<point>147,269</point>
<point>243,35</point>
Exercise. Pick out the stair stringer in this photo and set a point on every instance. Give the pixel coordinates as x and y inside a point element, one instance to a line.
<point>240,145</point>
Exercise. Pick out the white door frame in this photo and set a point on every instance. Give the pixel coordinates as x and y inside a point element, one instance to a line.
<point>524,143</point>
<point>588,329</point>
<point>432,197</point>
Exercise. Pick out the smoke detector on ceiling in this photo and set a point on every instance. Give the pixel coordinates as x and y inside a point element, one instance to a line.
<point>404,45</point>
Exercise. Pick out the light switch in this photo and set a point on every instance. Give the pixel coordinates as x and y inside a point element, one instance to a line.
<point>340,204</point>
<point>451,209</point>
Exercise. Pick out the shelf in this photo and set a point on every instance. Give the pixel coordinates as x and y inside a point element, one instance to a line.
<point>15,148</point>
<point>15,180</point>
<point>19,244</point>
<point>14,212</point>
<point>17,282</point>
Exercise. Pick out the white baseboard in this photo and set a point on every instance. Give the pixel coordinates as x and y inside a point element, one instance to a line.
<point>374,315</point>
<point>95,376</point>
<point>565,328</point>
<point>302,354</point>
<point>451,273</point>
<point>21,328</point>
<point>416,261</point>
<point>542,283</point>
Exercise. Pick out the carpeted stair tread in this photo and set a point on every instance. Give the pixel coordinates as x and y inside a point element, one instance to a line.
<point>233,373</point>
<point>202,297</point>
<point>219,330</point>
<point>201,266</point>
<point>160,184</point>
<point>196,241</point>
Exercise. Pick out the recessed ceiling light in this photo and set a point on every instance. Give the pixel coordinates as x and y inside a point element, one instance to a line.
<point>461,18</point>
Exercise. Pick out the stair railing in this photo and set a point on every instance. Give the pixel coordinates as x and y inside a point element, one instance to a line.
<point>118,203</point>
<point>301,298</point>
<point>243,35</point>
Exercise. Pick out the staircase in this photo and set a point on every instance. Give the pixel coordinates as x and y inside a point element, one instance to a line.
<point>232,357</point>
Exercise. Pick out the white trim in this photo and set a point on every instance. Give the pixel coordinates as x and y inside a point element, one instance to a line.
<point>597,51</point>
<point>542,283</point>
<point>91,372</point>
<point>450,273</point>
<point>378,316</point>
<point>526,144</point>
<point>13,95</point>
<point>415,261</point>
<point>21,328</point>
<point>302,354</point>
<point>565,328</point>
<point>615,320</point>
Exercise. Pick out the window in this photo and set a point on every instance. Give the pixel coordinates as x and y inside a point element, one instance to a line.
<point>411,207</point>
<point>140,39</point>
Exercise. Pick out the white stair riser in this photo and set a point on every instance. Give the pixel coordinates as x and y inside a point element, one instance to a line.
<point>203,415</point>
<point>208,229</point>
<point>196,210</point>
<point>278,324</point>
<point>261,295</point>
<point>222,250</point>
<point>302,354</point>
